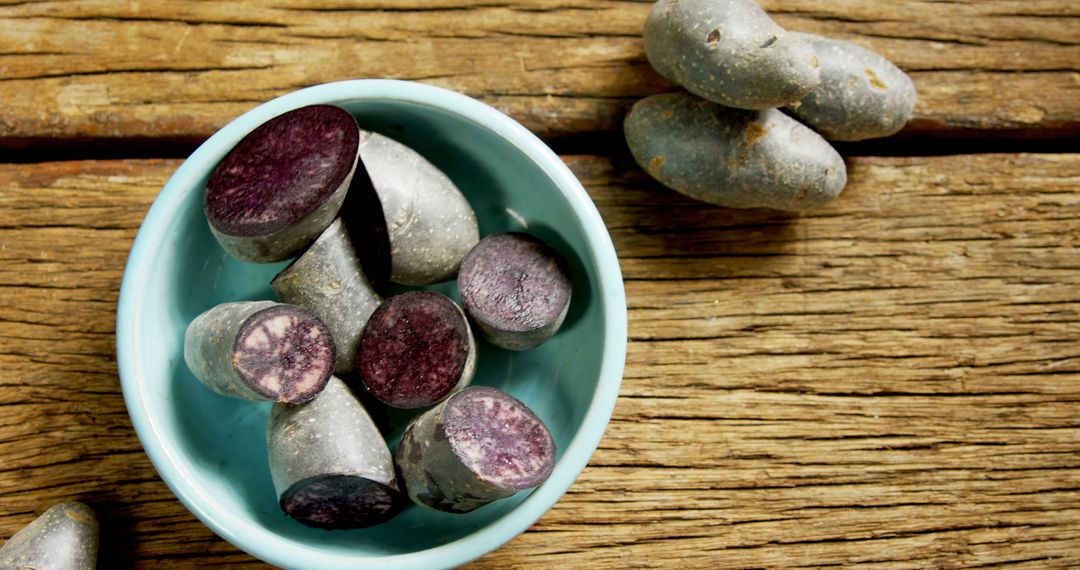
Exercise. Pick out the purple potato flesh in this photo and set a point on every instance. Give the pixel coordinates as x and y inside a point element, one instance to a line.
<point>416,349</point>
<point>478,446</point>
<point>283,183</point>
<point>329,463</point>
<point>328,280</point>
<point>260,350</point>
<point>499,439</point>
<point>340,501</point>
<point>65,537</point>
<point>426,223</point>
<point>515,288</point>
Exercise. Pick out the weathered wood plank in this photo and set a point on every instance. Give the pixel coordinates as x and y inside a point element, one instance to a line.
<point>183,69</point>
<point>890,381</point>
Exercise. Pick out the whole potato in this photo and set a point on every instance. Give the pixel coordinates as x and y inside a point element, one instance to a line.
<point>730,52</point>
<point>731,157</point>
<point>862,95</point>
<point>65,537</point>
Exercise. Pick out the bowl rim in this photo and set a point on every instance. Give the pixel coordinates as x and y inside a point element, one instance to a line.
<point>265,544</point>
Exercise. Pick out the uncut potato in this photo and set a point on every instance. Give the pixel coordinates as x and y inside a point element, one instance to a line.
<point>730,52</point>
<point>862,95</point>
<point>731,157</point>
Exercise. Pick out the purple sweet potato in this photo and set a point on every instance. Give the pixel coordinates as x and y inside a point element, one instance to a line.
<point>260,350</point>
<point>416,349</point>
<point>283,183</point>
<point>478,446</point>
<point>328,280</point>
<point>330,465</point>
<point>515,288</point>
<point>65,537</point>
<point>426,222</point>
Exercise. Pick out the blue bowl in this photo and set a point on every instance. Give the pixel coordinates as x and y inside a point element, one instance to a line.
<point>211,450</point>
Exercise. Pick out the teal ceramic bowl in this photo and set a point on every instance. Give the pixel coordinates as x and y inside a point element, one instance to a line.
<point>211,450</point>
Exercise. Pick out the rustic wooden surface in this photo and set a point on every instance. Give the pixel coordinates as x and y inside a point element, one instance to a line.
<point>893,380</point>
<point>182,68</point>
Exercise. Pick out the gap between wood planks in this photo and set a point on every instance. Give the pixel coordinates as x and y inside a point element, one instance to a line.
<point>34,150</point>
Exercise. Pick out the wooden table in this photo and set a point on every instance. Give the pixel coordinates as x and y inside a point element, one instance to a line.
<point>892,380</point>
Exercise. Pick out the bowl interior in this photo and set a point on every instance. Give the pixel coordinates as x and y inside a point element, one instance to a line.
<point>212,449</point>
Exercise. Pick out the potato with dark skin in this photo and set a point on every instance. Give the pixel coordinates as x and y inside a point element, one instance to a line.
<point>65,537</point>
<point>731,157</point>
<point>415,218</point>
<point>330,465</point>
<point>862,95</point>
<point>283,183</point>
<point>328,280</point>
<point>478,446</point>
<point>260,350</point>
<point>730,52</point>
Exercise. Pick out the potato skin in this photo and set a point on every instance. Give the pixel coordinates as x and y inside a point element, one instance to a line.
<point>65,537</point>
<point>730,52</point>
<point>431,224</point>
<point>862,95</point>
<point>731,157</point>
<point>327,279</point>
<point>333,436</point>
<point>213,354</point>
<point>511,451</point>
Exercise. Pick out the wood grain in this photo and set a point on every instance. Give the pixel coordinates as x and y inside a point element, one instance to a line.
<point>892,380</point>
<point>562,67</point>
